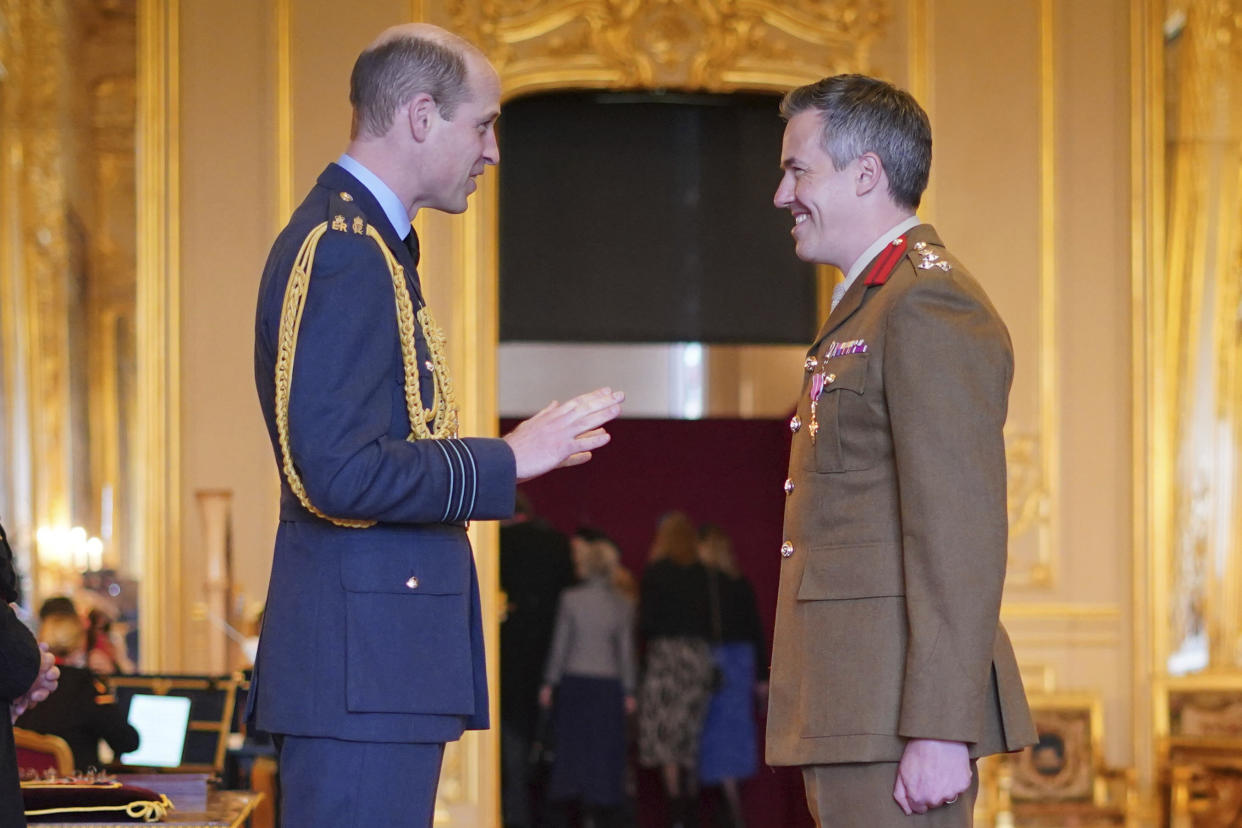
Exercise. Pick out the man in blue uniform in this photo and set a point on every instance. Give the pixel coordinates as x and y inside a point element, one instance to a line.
<point>371,656</point>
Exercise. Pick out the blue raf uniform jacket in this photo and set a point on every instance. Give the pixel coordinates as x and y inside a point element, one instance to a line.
<point>369,634</point>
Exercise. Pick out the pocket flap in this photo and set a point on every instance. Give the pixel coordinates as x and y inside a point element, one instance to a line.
<point>848,372</point>
<point>410,565</point>
<point>863,571</point>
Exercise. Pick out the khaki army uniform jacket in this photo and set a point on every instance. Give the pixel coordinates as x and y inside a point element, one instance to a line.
<point>887,620</point>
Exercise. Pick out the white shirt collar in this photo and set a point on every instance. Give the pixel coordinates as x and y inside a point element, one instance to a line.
<point>871,252</point>
<point>397,215</point>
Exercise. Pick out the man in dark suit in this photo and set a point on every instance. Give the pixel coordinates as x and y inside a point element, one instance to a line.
<point>891,672</point>
<point>371,655</point>
<point>535,566</point>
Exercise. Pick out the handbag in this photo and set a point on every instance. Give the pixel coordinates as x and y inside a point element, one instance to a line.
<point>713,597</point>
<point>543,742</point>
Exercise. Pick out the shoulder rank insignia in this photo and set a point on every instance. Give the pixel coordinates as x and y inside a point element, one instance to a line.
<point>886,261</point>
<point>930,259</point>
<point>344,214</point>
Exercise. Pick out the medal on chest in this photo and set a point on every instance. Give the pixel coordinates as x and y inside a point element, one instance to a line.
<point>817,388</point>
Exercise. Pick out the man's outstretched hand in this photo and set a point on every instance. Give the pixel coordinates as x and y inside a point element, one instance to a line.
<point>563,434</point>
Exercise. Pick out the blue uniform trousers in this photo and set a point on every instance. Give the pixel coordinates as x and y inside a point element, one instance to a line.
<point>332,783</point>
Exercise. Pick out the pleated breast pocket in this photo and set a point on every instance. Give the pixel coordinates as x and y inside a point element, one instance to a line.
<point>844,382</point>
<point>407,616</point>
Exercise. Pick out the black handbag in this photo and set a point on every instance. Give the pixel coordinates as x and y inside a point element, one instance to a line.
<point>543,742</point>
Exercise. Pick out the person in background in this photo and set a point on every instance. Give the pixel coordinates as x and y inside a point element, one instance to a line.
<point>728,750</point>
<point>679,672</point>
<point>28,675</point>
<point>535,566</point>
<point>102,654</point>
<point>591,674</point>
<point>57,605</point>
<point>82,711</point>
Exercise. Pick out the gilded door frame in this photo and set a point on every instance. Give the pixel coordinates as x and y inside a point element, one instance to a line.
<point>158,438</point>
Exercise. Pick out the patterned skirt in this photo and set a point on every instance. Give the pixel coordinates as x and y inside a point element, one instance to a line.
<point>673,700</point>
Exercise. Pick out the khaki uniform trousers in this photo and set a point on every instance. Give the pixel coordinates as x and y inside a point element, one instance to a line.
<point>861,796</point>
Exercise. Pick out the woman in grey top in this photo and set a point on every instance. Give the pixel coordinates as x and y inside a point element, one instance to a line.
<point>591,674</point>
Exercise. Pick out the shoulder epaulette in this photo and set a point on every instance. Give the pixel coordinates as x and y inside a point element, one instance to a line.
<point>344,214</point>
<point>886,261</point>
<point>925,258</point>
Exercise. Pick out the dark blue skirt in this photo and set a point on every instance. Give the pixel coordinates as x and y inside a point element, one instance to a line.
<point>590,741</point>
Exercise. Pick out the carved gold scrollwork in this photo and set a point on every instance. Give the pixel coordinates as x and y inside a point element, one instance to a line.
<point>1028,491</point>
<point>1029,504</point>
<point>710,45</point>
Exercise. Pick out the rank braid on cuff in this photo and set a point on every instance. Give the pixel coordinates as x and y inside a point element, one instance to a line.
<point>443,414</point>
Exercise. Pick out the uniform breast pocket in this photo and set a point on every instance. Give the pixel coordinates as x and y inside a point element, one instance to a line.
<point>845,380</point>
<point>407,605</point>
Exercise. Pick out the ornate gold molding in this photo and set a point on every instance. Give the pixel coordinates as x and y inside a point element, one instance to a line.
<point>1149,450</point>
<point>282,26</point>
<point>1062,611</point>
<point>1049,351</point>
<point>157,451</point>
<point>40,73</point>
<point>1029,501</point>
<point>680,44</point>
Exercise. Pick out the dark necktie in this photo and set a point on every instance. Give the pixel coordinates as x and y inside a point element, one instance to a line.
<point>411,242</point>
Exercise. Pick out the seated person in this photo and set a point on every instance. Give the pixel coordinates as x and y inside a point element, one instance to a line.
<point>82,711</point>
<point>57,605</point>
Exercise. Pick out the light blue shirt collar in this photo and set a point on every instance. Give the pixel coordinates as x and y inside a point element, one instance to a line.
<point>397,215</point>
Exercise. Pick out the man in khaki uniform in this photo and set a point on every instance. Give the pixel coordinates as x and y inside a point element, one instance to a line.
<point>891,672</point>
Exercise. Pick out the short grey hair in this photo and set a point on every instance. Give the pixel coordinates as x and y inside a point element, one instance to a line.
<point>861,114</point>
<point>389,74</point>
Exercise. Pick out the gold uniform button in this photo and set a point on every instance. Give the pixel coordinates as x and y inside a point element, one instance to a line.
<point>429,366</point>
<point>786,549</point>
<point>831,378</point>
<point>346,196</point>
<point>412,582</point>
<point>795,423</point>
<point>789,485</point>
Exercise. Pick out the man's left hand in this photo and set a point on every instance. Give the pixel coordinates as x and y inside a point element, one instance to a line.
<point>931,773</point>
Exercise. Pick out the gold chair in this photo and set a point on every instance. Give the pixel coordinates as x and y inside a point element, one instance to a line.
<point>41,752</point>
<point>1062,781</point>
<point>1200,752</point>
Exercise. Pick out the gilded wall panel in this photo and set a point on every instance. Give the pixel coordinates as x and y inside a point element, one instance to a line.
<point>676,44</point>
<point>40,87</point>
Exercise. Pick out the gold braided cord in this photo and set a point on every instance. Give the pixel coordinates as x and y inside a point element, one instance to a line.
<point>439,423</point>
<point>144,810</point>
